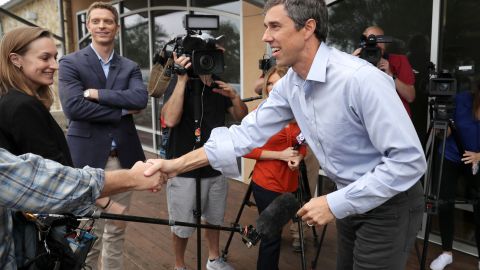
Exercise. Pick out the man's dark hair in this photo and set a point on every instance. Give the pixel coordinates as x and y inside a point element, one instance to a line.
<point>302,10</point>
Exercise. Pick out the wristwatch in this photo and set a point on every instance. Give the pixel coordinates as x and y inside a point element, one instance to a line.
<point>86,93</point>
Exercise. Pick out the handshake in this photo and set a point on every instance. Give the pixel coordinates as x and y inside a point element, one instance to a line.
<point>150,175</point>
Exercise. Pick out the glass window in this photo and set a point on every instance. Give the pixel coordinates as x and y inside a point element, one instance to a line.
<point>349,18</point>
<point>129,5</point>
<point>223,5</point>
<point>167,24</point>
<point>155,3</point>
<point>459,39</point>
<point>136,47</point>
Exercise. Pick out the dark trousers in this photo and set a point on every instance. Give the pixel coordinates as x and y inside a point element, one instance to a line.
<point>446,209</point>
<point>269,251</point>
<point>382,237</point>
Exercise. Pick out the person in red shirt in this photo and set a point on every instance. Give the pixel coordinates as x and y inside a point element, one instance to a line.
<point>397,66</point>
<point>275,172</point>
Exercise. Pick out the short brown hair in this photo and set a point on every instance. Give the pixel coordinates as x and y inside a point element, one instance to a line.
<point>280,70</point>
<point>102,5</point>
<point>18,41</point>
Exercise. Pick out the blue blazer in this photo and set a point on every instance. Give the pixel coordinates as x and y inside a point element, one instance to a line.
<point>93,125</point>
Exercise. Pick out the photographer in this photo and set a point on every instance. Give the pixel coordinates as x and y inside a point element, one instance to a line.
<point>395,65</point>
<point>216,99</point>
<point>456,164</point>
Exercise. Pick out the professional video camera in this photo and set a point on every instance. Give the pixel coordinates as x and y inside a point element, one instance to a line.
<point>200,47</point>
<point>265,64</point>
<point>370,51</point>
<point>442,88</point>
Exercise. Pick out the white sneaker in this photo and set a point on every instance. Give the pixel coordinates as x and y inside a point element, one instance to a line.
<point>218,264</point>
<point>441,261</point>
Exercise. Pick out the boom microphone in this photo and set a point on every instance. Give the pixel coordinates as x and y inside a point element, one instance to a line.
<point>251,98</point>
<point>271,221</point>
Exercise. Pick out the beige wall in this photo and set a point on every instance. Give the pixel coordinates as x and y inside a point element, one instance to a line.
<point>77,6</point>
<point>253,50</point>
<point>46,11</point>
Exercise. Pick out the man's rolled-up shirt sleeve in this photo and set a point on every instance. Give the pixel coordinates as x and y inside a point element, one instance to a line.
<point>220,152</point>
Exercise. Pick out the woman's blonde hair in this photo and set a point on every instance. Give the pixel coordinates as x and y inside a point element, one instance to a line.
<point>280,70</point>
<point>18,41</point>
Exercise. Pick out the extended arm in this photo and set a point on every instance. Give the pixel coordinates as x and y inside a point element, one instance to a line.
<point>32,183</point>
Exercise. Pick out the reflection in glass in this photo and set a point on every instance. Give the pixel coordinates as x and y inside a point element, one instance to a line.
<point>223,5</point>
<point>129,5</point>
<point>155,3</point>
<point>135,39</point>
<point>145,138</point>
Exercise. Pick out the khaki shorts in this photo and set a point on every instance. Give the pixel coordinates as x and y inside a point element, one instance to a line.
<point>181,201</point>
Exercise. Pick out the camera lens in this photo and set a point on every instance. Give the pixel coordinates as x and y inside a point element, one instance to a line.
<point>206,62</point>
<point>444,87</point>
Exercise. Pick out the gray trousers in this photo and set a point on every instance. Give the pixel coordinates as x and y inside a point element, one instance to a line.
<point>383,237</point>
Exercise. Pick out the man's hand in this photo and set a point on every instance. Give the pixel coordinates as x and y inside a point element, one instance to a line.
<point>183,62</point>
<point>384,66</point>
<point>152,182</point>
<point>470,157</point>
<point>168,167</point>
<point>357,52</point>
<point>225,89</point>
<point>316,212</point>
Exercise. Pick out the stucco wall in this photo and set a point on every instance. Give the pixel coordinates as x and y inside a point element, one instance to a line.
<point>253,50</point>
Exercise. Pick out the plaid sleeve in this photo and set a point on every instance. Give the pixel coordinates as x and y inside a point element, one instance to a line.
<point>31,183</point>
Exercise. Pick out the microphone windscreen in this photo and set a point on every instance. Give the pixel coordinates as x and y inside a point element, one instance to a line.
<point>276,215</point>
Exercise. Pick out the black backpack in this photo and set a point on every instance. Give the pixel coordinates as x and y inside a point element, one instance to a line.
<point>47,242</point>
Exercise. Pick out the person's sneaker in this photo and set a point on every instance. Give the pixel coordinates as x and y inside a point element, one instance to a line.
<point>441,261</point>
<point>180,268</point>
<point>218,264</point>
<point>296,245</point>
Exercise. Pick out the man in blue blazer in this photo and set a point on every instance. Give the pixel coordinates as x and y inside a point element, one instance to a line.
<point>100,91</point>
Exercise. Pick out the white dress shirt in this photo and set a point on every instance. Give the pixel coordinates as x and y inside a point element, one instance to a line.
<point>353,120</point>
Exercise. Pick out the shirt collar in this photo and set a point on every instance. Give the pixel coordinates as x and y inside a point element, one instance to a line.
<point>318,70</point>
<point>100,58</point>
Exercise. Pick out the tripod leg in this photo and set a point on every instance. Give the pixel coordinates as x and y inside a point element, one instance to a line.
<point>302,244</point>
<point>425,242</point>
<point>319,247</point>
<point>246,201</point>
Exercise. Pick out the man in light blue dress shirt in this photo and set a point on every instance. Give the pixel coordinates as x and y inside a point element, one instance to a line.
<point>355,123</point>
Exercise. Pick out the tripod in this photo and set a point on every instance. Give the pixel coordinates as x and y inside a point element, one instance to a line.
<point>303,195</point>
<point>437,135</point>
<point>319,191</point>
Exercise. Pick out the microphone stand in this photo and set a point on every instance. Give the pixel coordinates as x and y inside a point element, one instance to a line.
<point>197,87</point>
<point>169,222</point>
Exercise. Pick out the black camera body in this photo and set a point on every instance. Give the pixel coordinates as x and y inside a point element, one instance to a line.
<point>265,64</point>
<point>370,51</point>
<point>442,88</point>
<point>201,48</point>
